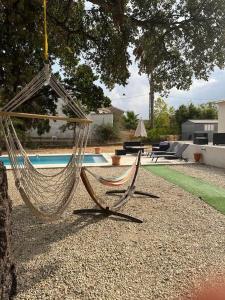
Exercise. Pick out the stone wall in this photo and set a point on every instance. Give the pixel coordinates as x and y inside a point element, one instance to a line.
<point>7,267</point>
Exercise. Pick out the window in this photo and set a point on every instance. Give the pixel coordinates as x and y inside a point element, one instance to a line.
<point>209,127</point>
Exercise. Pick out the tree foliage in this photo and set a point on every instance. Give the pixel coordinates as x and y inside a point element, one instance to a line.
<point>168,120</point>
<point>198,112</point>
<point>82,84</point>
<point>185,41</point>
<point>107,133</point>
<point>165,122</point>
<point>130,120</point>
<point>173,41</point>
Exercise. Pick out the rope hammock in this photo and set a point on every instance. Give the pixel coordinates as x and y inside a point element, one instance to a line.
<point>47,195</point>
<point>38,189</point>
<point>131,174</point>
<point>115,180</point>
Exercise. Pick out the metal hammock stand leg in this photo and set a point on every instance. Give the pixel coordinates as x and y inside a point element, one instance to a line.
<point>111,192</point>
<point>112,211</point>
<point>135,193</point>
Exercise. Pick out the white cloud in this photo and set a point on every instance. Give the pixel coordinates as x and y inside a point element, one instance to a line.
<point>137,90</point>
<point>201,91</point>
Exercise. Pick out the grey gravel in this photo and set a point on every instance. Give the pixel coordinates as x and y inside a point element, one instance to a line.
<point>211,174</point>
<point>180,243</point>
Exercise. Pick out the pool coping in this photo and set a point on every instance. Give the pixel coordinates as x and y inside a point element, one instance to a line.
<point>108,157</point>
<point>55,166</point>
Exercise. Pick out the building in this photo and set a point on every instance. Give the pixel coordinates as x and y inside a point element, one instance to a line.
<point>199,126</point>
<point>56,133</point>
<point>117,113</point>
<point>221,116</point>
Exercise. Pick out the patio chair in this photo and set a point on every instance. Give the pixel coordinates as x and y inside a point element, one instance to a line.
<point>170,150</point>
<point>162,146</point>
<point>177,155</point>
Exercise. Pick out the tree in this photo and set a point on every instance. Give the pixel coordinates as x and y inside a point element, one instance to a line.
<point>173,41</point>
<point>181,40</point>
<point>130,120</point>
<point>165,122</point>
<point>107,133</point>
<point>181,115</point>
<point>199,112</point>
<point>81,83</point>
<point>209,111</point>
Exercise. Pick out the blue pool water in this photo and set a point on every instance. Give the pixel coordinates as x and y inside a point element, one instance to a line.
<point>57,159</point>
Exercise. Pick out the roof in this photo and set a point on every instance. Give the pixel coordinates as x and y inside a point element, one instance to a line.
<point>104,110</point>
<point>109,110</point>
<point>115,109</point>
<point>203,121</point>
<point>220,101</point>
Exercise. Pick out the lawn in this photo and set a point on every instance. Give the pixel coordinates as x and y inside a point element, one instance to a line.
<point>210,193</point>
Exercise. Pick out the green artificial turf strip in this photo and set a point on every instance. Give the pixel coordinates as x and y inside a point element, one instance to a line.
<point>211,194</point>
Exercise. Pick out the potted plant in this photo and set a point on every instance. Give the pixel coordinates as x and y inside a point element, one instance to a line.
<point>97,150</point>
<point>197,156</point>
<point>115,160</point>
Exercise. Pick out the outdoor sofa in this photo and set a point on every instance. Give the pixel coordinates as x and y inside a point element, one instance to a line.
<point>162,146</point>
<point>219,139</point>
<point>133,147</point>
<point>201,138</point>
<point>169,151</point>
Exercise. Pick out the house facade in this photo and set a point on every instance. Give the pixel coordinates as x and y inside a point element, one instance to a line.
<point>221,116</point>
<point>103,116</point>
<point>117,114</point>
<point>199,126</point>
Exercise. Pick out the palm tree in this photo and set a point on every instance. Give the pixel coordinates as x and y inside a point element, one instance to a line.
<point>130,120</point>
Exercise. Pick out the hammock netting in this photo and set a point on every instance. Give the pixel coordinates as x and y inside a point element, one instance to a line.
<point>46,194</point>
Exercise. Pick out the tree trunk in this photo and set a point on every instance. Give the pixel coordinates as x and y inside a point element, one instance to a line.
<point>151,100</point>
<point>7,267</point>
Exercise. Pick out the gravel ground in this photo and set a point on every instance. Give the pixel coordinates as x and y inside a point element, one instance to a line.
<point>180,243</point>
<point>211,174</point>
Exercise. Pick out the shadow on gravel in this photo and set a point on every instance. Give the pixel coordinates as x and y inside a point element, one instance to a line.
<point>32,237</point>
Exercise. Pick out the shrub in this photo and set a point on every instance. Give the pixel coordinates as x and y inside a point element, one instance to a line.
<point>107,133</point>
<point>155,134</point>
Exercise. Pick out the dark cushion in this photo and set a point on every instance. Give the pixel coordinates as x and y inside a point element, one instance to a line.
<point>131,144</point>
<point>219,139</point>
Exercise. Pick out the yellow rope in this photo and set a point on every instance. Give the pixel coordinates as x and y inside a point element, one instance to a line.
<point>45,31</point>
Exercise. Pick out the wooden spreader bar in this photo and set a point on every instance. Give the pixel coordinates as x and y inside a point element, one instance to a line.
<point>43,117</point>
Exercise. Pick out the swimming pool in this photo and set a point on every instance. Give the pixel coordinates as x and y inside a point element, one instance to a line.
<point>57,160</point>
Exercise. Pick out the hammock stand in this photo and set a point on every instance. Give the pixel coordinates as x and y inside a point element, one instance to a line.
<point>129,192</point>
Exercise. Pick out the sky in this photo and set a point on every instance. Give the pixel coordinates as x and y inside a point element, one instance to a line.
<point>134,96</point>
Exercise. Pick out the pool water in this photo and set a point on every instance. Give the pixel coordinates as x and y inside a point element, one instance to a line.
<point>57,159</point>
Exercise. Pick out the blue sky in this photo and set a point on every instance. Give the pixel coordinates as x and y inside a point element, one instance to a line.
<point>134,96</point>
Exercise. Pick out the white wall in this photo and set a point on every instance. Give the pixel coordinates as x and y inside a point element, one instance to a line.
<point>100,119</point>
<point>211,155</point>
<point>55,131</point>
<point>221,117</point>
